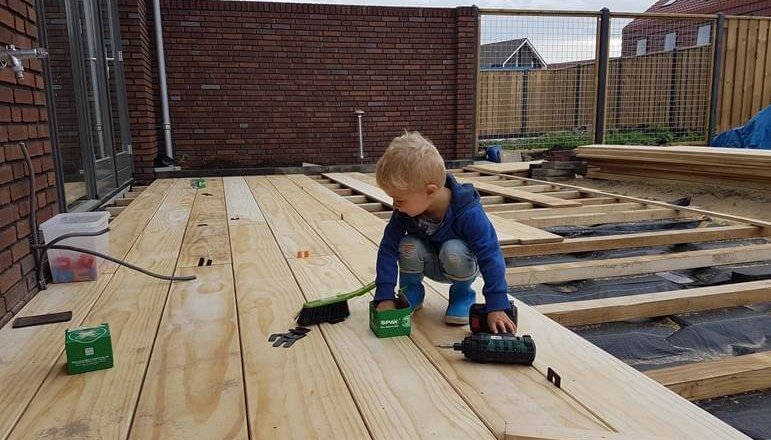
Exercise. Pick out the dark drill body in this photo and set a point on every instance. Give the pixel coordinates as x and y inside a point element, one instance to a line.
<point>501,348</point>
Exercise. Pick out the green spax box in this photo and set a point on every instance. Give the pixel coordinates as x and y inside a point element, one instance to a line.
<point>390,323</point>
<point>88,348</point>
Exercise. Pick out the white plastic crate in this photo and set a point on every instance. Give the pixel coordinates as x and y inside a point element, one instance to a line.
<point>69,266</point>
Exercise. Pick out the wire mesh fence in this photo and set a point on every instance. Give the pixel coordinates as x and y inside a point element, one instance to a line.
<point>538,79</point>
<point>659,80</point>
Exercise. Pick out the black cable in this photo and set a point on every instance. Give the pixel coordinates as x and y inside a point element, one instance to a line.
<point>121,262</point>
<point>37,247</point>
<point>33,217</point>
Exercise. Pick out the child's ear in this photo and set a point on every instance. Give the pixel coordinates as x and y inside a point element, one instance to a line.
<point>431,190</point>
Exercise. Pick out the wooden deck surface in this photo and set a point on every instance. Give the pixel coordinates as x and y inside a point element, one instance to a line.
<point>192,359</point>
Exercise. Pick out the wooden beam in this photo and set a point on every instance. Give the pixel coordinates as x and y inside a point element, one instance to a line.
<point>517,194</point>
<point>614,267</point>
<point>590,218</point>
<point>580,190</point>
<point>521,214</point>
<point>643,239</point>
<point>722,377</point>
<point>596,311</point>
<point>530,432</point>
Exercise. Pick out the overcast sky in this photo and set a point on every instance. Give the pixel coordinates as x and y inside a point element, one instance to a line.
<point>557,39</point>
<point>574,5</point>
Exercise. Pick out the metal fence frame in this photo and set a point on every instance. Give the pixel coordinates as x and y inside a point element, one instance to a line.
<point>602,59</point>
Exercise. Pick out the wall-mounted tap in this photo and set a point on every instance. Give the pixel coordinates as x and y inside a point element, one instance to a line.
<point>11,56</point>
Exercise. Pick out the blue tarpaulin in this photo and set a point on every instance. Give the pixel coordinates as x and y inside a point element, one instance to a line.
<point>754,134</point>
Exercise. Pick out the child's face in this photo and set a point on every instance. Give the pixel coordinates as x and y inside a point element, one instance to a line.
<point>412,202</point>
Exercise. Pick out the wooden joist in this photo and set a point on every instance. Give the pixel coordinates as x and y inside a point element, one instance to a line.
<point>722,377</point>
<point>614,267</point>
<point>642,239</point>
<point>596,311</point>
<point>515,193</point>
<point>718,166</point>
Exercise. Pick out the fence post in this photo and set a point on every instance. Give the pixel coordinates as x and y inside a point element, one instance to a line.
<point>602,77</point>
<point>672,90</point>
<point>524,103</point>
<point>717,64</point>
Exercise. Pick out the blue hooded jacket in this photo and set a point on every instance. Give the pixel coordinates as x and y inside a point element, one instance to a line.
<point>466,220</point>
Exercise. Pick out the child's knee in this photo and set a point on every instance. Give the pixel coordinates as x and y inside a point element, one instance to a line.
<point>411,254</point>
<point>458,262</point>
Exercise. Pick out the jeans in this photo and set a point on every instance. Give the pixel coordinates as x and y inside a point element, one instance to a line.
<point>454,261</point>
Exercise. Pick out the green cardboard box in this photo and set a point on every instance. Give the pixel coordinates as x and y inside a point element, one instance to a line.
<point>88,348</point>
<point>390,323</point>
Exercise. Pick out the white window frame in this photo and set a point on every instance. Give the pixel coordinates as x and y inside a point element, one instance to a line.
<point>704,35</point>
<point>670,41</point>
<point>641,49</point>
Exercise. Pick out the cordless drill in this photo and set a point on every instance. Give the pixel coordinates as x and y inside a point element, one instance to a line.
<point>483,346</point>
<point>503,348</point>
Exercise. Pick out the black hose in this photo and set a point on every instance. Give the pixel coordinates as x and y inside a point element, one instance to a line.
<point>37,247</point>
<point>41,282</point>
<point>121,262</point>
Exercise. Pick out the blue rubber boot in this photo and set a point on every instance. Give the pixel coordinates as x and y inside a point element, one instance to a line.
<point>413,290</point>
<point>462,297</point>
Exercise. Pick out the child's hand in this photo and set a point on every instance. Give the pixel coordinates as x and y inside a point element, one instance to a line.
<point>500,321</point>
<point>385,305</point>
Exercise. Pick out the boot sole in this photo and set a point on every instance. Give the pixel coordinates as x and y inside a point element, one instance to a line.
<point>456,320</point>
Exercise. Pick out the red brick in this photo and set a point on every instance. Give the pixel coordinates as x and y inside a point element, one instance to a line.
<point>10,277</point>
<point>20,249</point>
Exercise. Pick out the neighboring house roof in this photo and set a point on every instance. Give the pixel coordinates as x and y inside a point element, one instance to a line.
<point>738,7</point>
<point>498,54</point>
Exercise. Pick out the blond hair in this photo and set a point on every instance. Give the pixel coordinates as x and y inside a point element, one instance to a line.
<point>410,163</point>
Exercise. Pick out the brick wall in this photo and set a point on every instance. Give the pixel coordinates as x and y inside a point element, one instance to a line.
<point>269,84</point>
<point>140,67</point>
<point>23,117</point>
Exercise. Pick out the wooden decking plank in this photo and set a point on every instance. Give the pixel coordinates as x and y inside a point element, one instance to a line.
<point>101,404</point>
<point>613,267</point>
<point>194,385</point>
<point>514,232</point>
<point>648,305</point>
<point>291,231</point>
<point>492,391</point>
<point>289,190</point>
<point>521,214</point>
<point>509,232</point>
<point>374,368</point>
<point>626,241</point>
<point>296,393</point>
<point>503,168</point>
<point>206,237</point>
<point>578,191</point>
<point>28,354</point>
<point>669,414</point>
<point>517,194</point>
<point>590,218</point>
<point>125,229</point>
<point>721,377</point>
<point>241,208</point>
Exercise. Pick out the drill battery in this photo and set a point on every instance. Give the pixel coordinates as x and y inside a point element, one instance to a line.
<point>477,318</point>
<point>503,348</point>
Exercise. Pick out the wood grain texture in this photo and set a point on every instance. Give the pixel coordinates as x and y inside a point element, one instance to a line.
<point>101,404</point>
<point>194,386</point>
<point>721,377</point>
<point>241,208</point>
<point>291,393</point>
<point>648,305</point>
<point>613,267</point>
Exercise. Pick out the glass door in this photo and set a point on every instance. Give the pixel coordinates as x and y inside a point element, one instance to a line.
<point>94,143</point>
